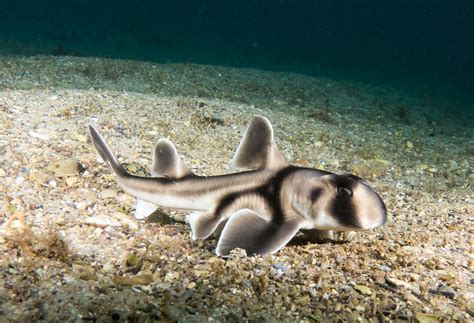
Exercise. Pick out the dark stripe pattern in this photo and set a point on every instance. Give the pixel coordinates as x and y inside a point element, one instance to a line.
<point>342,206</point>
<point>270,192</point>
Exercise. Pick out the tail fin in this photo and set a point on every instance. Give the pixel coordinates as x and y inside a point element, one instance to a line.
<point>105,152</point>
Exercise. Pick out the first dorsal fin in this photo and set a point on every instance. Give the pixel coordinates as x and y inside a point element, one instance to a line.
<point>167,162</point>
<point>257,149</point>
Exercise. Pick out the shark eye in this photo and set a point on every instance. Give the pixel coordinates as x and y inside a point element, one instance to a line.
<point>343,192</point>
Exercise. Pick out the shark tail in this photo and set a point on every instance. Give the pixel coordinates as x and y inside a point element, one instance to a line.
<point>105,153</point>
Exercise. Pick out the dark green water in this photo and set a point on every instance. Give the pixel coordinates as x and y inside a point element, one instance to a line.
<point>412,44</point>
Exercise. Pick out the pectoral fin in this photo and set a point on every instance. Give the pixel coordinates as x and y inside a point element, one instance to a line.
<point>247,230</point>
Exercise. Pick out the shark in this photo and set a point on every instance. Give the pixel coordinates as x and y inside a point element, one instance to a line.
<point>258,208</point>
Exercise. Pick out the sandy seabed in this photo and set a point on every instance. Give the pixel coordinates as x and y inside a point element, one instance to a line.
<point>71,249</point>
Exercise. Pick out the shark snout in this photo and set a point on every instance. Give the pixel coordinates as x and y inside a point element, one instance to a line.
<point>372,212</point>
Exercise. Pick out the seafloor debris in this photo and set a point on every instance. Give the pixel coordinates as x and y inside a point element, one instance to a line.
<point>79,254</point>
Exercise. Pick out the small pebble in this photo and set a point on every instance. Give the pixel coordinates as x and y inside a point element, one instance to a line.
<point>64,167</point>
<point>108,193</point>
<point>88,275</point>
<point>40,134</point>
<point>386,268</point>
<point>281,266</point>
<point>68,279</point>
<point>71,181</point>
<point>426,318</point>
<point>401,284</point>
<point>133,280</point>
<point>81,205</point>
<point>19,180</point>
<point>363,289</point>
<point>445,291</point>
<point>82,138</point>
<point>102,221</point>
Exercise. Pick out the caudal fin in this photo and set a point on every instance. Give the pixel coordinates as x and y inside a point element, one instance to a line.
<point>105,152</point>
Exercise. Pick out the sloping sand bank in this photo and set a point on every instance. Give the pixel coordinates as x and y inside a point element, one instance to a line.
<point>71,249</point>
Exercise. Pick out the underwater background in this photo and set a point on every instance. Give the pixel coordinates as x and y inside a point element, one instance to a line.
<point>416,45</point>
<point>379,89</point>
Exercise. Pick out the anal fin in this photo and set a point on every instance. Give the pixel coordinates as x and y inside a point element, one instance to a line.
<point>251,232</point>
<point>144,209</point>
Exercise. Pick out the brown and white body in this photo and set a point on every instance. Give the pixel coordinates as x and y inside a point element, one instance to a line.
<point>259,210</point>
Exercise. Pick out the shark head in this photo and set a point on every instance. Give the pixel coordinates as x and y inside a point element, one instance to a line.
<point>338,202</point>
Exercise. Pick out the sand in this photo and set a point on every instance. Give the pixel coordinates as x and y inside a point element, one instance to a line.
<point>71,249</point>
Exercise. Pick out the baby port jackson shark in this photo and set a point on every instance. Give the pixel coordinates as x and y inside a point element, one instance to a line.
<point>259,209</point>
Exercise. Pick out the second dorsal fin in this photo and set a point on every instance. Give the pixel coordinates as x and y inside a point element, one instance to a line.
<point>257,149</point>
<point>167,162</point>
